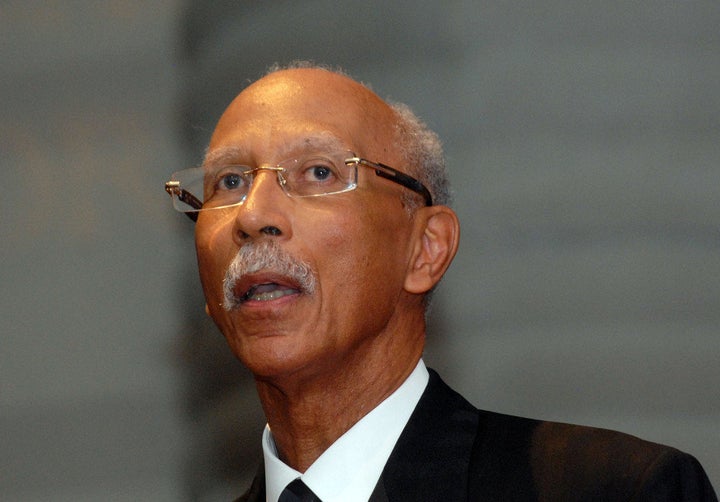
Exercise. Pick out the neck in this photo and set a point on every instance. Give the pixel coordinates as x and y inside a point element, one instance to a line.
<point>308,414</point>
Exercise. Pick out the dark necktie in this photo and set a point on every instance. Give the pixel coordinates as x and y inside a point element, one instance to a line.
<point>297,491</point>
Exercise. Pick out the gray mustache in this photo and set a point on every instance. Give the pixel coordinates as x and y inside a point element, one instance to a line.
<point>264,256</point>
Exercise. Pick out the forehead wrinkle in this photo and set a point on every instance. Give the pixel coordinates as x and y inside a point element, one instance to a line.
<point>320,143</point>
<point>325,141</point>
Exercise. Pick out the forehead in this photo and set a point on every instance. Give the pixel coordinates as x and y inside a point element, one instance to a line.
<point>295,110</point>
<point>322,142</point>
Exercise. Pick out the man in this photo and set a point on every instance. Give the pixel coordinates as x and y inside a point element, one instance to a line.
<point>317,258</point>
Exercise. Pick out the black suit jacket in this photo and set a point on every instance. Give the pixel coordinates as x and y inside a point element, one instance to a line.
<point>451,451</point>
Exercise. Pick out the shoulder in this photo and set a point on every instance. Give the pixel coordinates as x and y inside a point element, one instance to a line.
<point>594,459</point>
<point>557,461</point>
<point>516,458</point>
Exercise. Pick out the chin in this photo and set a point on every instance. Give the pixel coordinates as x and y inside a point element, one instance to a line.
<point>269,355</point>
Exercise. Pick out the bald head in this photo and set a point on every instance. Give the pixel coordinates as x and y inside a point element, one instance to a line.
<point>296,101</point>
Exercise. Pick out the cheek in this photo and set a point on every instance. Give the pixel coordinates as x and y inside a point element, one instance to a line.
<point>344,241</point>
<point>214,251</point>
<point>365,250</point>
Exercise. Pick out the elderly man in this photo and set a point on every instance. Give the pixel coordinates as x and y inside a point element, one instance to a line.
<point>322,226</point>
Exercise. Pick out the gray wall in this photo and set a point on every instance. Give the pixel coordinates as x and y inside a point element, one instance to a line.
<point>583,146</point>
<point>90,256</point>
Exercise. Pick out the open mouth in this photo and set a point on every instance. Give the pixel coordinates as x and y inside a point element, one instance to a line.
<point>266,292</point>
<point>263,274</point>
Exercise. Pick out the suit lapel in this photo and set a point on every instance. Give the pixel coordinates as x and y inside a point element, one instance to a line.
<point>379,494</point>
<point>430,460</point>
<point>256,492</point>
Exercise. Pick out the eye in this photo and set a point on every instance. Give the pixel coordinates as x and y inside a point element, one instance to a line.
<point>318,171</point>
<point>230,181</point>
<point>230,178</point>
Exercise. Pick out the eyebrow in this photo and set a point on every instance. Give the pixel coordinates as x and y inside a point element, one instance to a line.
<point>223,155</point>
<point>324,141</point>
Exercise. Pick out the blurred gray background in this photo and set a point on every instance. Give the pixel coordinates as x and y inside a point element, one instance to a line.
<point>584,145</point>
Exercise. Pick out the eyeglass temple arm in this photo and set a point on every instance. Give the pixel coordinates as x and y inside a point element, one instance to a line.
<point>403,179</point>
<point>173,188</point>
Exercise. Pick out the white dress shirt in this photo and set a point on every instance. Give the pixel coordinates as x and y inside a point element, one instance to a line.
<point>350,468</point>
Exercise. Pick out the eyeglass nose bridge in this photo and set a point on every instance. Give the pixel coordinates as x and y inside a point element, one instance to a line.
<point>282,181</point>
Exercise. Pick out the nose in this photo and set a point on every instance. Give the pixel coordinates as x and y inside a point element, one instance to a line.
<point>264,212</point>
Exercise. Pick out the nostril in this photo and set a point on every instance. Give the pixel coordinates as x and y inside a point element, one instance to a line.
<point>270,230</point>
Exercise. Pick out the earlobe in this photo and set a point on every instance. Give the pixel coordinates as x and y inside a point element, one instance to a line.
<point>435,243</point>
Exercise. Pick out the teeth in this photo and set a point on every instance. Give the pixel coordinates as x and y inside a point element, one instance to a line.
<point>265,296</point>
<point>272,295</point>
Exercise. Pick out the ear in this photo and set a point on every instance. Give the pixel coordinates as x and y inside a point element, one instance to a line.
<point>435,242</point>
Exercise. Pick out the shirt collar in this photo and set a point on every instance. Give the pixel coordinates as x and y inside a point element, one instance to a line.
<point>350,468</point>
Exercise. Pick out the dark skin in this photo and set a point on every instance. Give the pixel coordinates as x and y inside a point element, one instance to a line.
<point>323,360</point>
